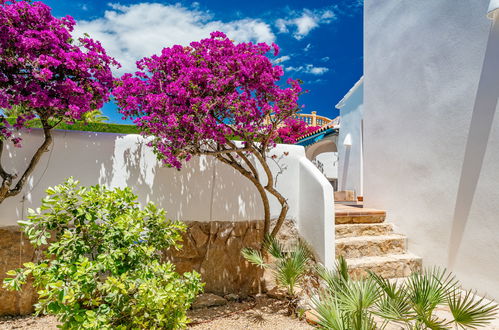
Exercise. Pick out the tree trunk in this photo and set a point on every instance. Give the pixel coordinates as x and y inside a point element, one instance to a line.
<point>270,188</point>
<point>251,175</point>
<point>7,189</point>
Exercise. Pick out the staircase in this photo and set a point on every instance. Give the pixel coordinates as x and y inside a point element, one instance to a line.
<point>369,244</point>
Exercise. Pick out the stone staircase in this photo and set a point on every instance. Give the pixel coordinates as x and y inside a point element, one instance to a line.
<point>368,243</point>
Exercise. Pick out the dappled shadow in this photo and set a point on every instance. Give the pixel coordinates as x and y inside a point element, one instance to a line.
<point>203,190</point>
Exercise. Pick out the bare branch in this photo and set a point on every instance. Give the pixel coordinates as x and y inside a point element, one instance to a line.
<point>225,151</point>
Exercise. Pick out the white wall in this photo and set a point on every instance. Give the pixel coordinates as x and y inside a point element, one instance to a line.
<point>422,66</point>
<point>204,190</point>
<point>330,162</point>
<point>350,157</point>
<point>317,203</point>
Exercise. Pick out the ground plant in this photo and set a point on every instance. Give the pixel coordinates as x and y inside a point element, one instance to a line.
<point>288,267</point>
<point>197,99</point>
<point>375,303</point>
<point>102,265</point>
<point>45,74</point>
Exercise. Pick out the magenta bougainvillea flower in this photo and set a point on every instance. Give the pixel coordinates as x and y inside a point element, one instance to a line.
<point>208,93</point>
<point>198,99</point>
<point>44,70</point>
<point>45,74</point>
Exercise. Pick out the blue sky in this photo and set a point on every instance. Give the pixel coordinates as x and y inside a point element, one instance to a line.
<point>321,41</point>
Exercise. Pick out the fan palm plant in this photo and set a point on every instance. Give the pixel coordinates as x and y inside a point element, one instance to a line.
<point>289,268</point>
<point>344,303</point>
<point>95,116</point>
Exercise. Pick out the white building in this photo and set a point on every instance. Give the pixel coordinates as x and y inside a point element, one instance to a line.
<point>350,173</point>
<point>430,137</point>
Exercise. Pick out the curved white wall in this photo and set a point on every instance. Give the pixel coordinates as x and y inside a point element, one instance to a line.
<point>316,203</point>
<point>423,61</point>
<point>350,156</point>
<point>204,190</point>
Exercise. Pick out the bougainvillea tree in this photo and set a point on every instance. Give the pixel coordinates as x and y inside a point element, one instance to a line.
<point>47,75</point>
<point>201,99</point>
<point>293,129</point>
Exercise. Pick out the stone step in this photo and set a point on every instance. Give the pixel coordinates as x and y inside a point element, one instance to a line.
<point>363,229</point>
<point>344,215</point>
<point>363,246</point>
<point>388,266</point>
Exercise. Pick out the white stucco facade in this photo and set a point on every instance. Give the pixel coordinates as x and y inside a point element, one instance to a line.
<point>329,161</point>
<point>350,174</point>
<point>422,150</point>
<point>204,190</point>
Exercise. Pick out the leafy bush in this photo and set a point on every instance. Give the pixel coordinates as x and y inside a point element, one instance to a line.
<point>102,266</point>
<point>344,303</point>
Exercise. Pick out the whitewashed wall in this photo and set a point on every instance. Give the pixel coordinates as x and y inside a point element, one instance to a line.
<point>422,66</point>
<point>330,162</point>
<point>350,157</point>
<point>204,190</point>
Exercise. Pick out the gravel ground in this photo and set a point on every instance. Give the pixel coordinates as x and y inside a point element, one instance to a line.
<point>259,314</point>
<point>29,322</point>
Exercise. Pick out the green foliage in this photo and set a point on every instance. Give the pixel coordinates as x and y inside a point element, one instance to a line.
<point>288,268</point>
<point>102,266</point>
<point>94,116</point>
<point>88,126</point>
<point>344,303</point>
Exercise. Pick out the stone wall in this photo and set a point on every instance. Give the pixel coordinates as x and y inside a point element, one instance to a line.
<point>213,249</point>
<point>15,249</point>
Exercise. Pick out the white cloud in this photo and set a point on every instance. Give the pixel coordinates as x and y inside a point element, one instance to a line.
<point>308,68</point>
<point>325,59</point>
<point>305,21</point>
<point>130,33</point>
<point>308,47</point>
<point>282,59</point>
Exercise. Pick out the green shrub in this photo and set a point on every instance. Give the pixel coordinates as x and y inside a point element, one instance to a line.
<point>102,266</point>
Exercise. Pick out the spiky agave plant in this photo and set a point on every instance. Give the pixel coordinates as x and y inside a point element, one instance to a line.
<point>289,268</point>
<point>347,304</point>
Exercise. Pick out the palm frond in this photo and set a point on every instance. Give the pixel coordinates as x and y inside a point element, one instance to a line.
<point>471,311</point>
<point>429,289</point>
<point>342,268</point>
<point>290,269</point>
<point>273,246</point>
<point>254,257</point>
<point>393,303</point>
<point>329,314</point>
<point>332,281</point>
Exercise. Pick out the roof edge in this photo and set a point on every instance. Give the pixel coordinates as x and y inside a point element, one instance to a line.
<point>342,102</point>
<point>493,9</point>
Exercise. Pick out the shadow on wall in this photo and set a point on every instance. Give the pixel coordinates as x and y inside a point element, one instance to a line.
<point>346,163</point>
<point>203,190</point>
<point>478,138</point>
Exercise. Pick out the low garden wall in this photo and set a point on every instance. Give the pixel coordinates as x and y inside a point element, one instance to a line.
<point>222,208</point>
